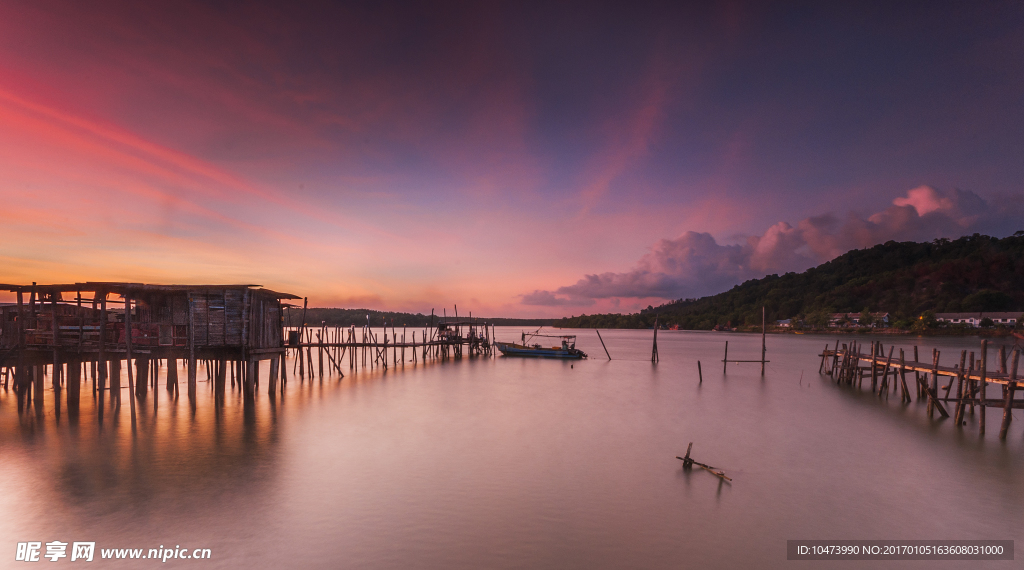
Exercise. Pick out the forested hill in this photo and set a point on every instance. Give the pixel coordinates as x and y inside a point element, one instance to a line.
<point>358,317</point>
<point>973,273</point>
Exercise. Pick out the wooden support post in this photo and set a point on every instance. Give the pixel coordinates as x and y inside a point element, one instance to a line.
<point>605,347</point>
<point>115,381</point>
<point>249,384</point>
<point>874,366</point>
<point>37,387</point>
<point>101,364</point>
<point>917,375</point>
<point>835,359</point>
<point>74,384</point>
<point>220,384</point>
<point>21,383</point>
<point>699,373</point>
<point>1002,359</point>
<point>654,347</point>
<point>840,364</point>
<point>903,379</point>
<point>958,415</point>
<point>858,368</point>
<point>320,352</point>
<point>983,384</point>
<point>284,370</point>
<point>725,357</point>
<point>275,363</point>
<point>142,373</point>
<point>971,393</point>
<point>172,374</point>
<point>1011,387</point>
<point>963,389</point>
<point>856,373</point>
<point>56,377</point>
<point>932,393</point>
<point>192,364</point>
<point>128,352</point>
<point>885,374</point>
<point>763,345</point>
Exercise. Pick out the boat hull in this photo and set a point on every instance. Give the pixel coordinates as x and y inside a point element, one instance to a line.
<point>542,352</point>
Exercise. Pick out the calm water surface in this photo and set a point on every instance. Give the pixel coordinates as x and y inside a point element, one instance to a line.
<point>518,463</point>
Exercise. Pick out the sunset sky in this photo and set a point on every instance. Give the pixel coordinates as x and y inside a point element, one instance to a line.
<point>517,159</point>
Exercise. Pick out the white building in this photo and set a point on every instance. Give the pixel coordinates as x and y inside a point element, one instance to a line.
<point>974,319</point>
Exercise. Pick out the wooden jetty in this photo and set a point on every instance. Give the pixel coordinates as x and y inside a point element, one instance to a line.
<point>95,326</point>
<point>364,346</point>
<point>67,331</point>
<point>849,365</point>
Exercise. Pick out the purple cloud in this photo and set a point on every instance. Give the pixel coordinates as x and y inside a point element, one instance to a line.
<point>695,264</point>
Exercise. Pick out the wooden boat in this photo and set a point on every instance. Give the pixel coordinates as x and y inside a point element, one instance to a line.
<point>567,349</point>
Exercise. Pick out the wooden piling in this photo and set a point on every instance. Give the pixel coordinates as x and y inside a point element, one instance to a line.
<point>219,384</point>
<point>275,362</point>
<point>916,375</point>
<point>74,384</point>
<point>192,364</point>
<point>983,384</point>
<point>172,374</point>
<point>654,347</point>
<point>725,357</point>
<point>142,373</point>
<point>835,358</point>
<point>874,366</point>
<point>763,345</point>
<point>115,381</point>
<point>128,351</point>
<point>1011,387</point>
<point>602,344</point>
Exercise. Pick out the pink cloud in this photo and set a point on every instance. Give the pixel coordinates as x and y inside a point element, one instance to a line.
<point>695,264</point>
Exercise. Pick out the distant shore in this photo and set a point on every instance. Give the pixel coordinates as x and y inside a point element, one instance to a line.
<point>992,333</point>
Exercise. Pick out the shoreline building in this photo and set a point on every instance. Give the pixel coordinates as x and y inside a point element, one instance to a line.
<point>1006,318</point>
<point>104,323</point>
<point>880,320</point>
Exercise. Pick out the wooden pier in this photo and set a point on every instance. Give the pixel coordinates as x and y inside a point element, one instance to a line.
<point>365,347</point>
<point>69,332</point>
<point>849,365</point>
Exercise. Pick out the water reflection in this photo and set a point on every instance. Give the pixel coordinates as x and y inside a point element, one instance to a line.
<point>510,463</point>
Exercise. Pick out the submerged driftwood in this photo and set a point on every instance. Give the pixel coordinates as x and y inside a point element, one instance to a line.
<point>688,463</point>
